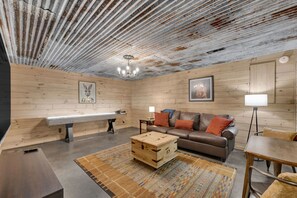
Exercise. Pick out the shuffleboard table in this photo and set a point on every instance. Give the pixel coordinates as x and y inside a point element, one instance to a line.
<point>68,120</point>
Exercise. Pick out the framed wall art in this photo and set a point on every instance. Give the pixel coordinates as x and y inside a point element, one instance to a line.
<point>87,92</point>
<point>201,89</point>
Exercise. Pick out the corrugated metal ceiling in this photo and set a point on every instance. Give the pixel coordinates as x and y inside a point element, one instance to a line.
<point>91,36</point>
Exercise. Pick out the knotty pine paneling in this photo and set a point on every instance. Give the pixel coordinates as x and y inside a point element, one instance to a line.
<point>37,93</point>
<point>231,83</point>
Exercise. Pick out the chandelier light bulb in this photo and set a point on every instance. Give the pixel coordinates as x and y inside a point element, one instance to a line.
<point>123,72</point>
<point>137,69</point>
<point>119,69</point>
<point>134,72</point>
<point>127,67</point>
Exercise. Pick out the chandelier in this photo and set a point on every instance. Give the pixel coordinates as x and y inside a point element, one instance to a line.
<point>128,72</point>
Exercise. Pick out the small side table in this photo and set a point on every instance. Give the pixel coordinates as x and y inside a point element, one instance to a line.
<point>145,121</point>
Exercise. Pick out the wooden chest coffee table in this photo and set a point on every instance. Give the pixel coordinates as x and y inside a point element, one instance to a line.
<point>153,148</point>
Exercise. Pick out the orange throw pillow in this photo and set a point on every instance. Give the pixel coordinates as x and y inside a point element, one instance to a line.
<point>162,119</point>
<point>217,125</point>
<point>184,124</point>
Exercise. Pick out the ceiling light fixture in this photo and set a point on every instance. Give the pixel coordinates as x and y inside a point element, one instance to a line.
<point>128,72</point>
<point>283,59</point>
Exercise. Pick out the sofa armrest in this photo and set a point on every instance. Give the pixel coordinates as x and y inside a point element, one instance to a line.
<point>230,132</point>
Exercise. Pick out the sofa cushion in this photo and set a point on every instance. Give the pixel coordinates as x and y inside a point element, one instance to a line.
<point>162,119</point>
<point>170,111</point>
<point>180,133</point>
<point>191,116</point>
<point>208,138</point>
<point>173,119</point>
<point>217,125</point>
<point>158,128</point>
<point>205,119</point>
<point>184,124</point>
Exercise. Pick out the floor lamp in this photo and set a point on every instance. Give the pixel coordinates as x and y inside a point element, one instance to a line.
<point>255,101</point>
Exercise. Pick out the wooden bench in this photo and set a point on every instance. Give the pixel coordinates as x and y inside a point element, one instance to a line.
<point>68,120</point>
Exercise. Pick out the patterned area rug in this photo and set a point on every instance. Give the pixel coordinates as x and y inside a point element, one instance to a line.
<point>185,176</point>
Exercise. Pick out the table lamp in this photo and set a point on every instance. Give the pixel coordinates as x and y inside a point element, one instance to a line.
<point>255,101</point>
<point>151,110</point>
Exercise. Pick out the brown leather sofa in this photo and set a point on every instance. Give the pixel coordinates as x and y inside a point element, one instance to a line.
<point>198,139</point>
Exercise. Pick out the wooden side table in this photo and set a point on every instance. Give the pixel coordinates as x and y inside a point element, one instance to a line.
<point>145,121</point>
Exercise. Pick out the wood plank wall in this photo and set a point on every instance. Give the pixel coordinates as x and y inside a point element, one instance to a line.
<point>231,83</point>
<point>37,93</point>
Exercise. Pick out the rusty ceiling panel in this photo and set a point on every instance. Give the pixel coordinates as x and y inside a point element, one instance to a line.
<point>165,36</point>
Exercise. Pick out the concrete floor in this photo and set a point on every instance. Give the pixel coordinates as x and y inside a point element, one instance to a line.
<point>78,184</point>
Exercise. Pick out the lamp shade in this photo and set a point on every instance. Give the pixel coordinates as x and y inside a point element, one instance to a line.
<point>151,109</point>
<point>256,100</point>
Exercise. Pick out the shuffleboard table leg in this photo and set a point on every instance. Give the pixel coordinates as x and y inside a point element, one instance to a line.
<point>110,125</point>
<point>69,133</point>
